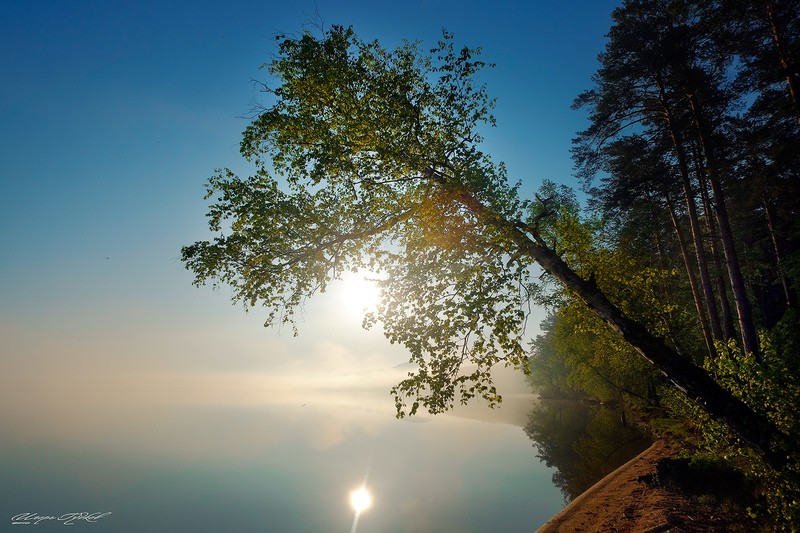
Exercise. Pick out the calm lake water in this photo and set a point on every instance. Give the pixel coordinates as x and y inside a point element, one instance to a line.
<point>281,460</point>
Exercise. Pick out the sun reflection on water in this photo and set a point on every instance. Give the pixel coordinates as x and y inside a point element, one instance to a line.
<point>360,500</point>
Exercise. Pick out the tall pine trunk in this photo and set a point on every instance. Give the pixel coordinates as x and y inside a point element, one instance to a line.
<point>667,291</point>
<point>744,311</point>
<point>728,328</point>
<point>779,267</point>
<point>696,296</point>
<point>694,224</point>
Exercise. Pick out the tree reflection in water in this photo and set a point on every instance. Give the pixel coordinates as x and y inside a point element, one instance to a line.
<point>584,443</point>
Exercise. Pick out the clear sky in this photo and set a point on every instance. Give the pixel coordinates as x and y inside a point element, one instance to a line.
<point>114,114</point>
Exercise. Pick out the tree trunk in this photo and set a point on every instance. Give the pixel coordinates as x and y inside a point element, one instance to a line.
<point>720,404</point>
<point>755,430</point>
<point>725,307</point>
<point>787,291</point>
<point>698,300</point>
<point>746,326</point>
<point>694,224</point>
<point>667,290</point>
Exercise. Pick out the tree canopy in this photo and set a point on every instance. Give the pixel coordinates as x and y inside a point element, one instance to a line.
<point>371,158</point>
<point>374,151</point>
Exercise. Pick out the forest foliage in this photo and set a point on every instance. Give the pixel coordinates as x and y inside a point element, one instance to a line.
<point>691,164</point>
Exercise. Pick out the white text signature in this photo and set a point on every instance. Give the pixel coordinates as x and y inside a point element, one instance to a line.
<point>68,519</point>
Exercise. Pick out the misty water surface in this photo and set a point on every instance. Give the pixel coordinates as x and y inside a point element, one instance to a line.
<point>258,454</point>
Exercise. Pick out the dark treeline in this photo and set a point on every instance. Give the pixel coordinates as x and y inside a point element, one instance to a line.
<point>691,163</point>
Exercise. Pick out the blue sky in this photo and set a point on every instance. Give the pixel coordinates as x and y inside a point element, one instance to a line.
<point>114,114</point>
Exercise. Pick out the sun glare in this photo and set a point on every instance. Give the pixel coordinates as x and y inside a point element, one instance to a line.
<point>360,499</point>
<point>359,294</point>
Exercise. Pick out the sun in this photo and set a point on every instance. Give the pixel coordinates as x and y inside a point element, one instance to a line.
<point>360,499</point>
<point>360,294</point>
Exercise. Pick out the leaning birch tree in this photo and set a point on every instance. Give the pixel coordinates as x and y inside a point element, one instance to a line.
<point>370,158</point>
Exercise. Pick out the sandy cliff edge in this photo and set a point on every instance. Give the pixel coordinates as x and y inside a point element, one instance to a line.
<point>621,500</point>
